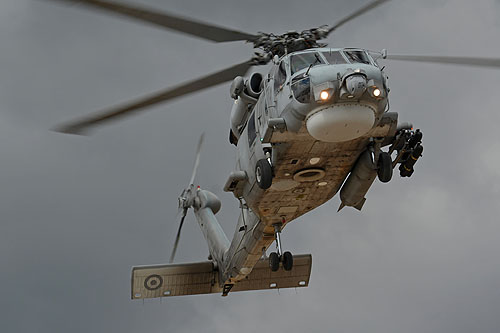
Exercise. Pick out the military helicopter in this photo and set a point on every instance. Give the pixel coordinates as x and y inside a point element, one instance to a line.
<point>317,124</point>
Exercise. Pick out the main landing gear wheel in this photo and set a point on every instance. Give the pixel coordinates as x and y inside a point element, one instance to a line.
<point>287,261</point>
<point>384,165</point>
<point>274,261</point>
<point>263,174</point>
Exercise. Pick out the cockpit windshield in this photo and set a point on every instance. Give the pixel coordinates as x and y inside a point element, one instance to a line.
<point>304,60</point>
<point>334,57</point>
<point>357,56</point>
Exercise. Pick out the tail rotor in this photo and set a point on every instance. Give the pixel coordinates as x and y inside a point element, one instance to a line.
<point>186,199</point>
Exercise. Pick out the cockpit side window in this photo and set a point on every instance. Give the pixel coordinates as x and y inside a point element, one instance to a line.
<point>304,60</point>
<point>279,76</point>
<point>358,56</point>
<point>252,133</point>
<point>301,88</point>
<point>334,57</point>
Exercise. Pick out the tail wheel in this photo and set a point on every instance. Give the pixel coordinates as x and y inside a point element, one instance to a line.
<point>263,174</point>
<point>274,261</point>
<point>384,165</point>
<point>287,261</point>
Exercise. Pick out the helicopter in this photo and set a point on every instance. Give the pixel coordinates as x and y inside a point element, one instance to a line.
<point>316,125</point>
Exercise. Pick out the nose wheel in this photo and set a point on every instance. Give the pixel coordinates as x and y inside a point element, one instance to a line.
<point>276,257</point>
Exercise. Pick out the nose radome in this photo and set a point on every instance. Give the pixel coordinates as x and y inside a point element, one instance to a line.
<point>340,122</point>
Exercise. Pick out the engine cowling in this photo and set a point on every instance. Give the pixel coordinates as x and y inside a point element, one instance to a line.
<point>245,94</point>
<point>237,87</point>
<point>238,115</point>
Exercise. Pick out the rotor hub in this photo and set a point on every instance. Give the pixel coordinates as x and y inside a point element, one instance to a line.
<point>291,41</point>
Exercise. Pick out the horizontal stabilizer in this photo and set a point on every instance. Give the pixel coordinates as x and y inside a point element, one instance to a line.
<point>201,278</point>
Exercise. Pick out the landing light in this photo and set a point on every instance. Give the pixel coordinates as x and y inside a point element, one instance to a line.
<point>375,92</point>
<point>324,95</point>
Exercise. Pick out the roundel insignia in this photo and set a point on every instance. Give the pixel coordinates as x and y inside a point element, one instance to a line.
<point>153,282</point>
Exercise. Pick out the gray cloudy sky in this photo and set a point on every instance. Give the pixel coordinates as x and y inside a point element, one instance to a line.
<point>78,212</point>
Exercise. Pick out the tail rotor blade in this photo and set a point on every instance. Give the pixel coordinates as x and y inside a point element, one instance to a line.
<point>174,250</point>
<point>186,198</point>
<point>197,160</point>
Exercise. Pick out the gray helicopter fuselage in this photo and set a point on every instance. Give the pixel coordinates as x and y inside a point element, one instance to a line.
<point>311,128</point>
<point>310,158</point>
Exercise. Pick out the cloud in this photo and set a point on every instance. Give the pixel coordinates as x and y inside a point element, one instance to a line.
<point>77,213</point>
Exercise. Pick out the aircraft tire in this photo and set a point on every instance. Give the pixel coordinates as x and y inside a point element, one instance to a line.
<point>263,174</point>
<point>287,261</point>
<point>384,171</point>
<point>274,261</point>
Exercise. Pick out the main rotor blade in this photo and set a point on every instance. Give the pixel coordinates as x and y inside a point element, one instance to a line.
<point>467,61</point>
<point>174,250</point>
<point>197,160</point>
<point>169,21</point>
<point>357,13</point>
<point>80,125</point>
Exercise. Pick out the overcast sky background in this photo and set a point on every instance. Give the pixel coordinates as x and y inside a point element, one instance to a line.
<point>78,212</point>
